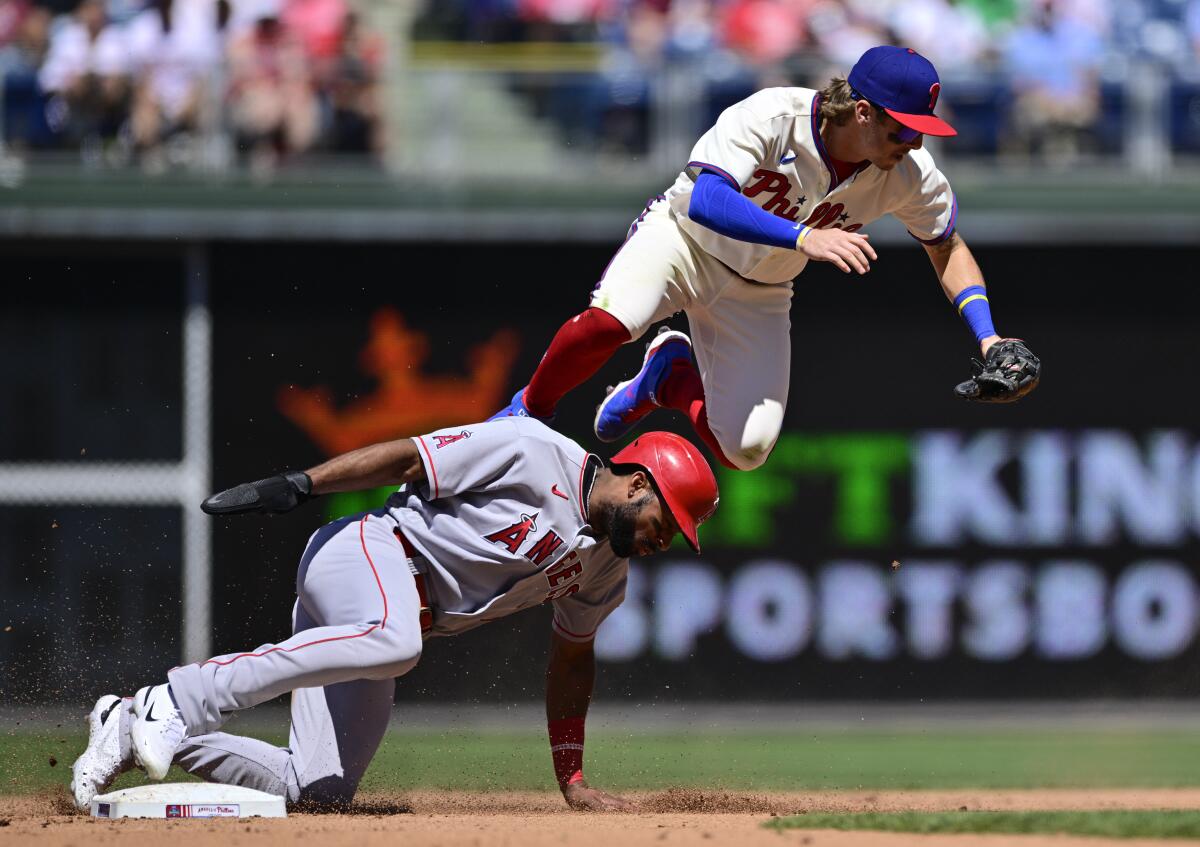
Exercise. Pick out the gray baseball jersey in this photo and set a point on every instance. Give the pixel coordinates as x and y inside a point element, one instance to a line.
<point>501,524</point>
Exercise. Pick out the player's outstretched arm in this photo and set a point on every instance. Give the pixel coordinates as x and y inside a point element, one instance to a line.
<point>570,675</point>
<point>387,463</point>
<point>957,271</point>
<point>1009,370</point>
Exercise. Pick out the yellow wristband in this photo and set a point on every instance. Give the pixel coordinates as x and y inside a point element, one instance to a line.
<point>804,231</point>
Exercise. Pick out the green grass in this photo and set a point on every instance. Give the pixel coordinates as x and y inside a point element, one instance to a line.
<point>1107,824</point>
<point>733,760</point>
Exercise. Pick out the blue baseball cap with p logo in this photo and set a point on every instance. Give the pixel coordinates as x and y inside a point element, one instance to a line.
<point>904,83</point>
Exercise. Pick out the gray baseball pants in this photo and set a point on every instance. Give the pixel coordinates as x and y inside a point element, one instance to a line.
<point>355,628</point>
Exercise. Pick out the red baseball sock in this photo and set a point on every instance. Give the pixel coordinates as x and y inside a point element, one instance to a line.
<point>683,390</point>
<point>580,347</point>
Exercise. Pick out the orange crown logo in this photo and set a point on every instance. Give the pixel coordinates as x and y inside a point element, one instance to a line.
<point>407,401</point>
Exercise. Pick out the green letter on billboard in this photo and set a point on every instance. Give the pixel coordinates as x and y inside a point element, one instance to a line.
<point>862,464</point>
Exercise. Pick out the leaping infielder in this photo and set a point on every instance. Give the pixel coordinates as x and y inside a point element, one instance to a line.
<point>491,519</point>
<point>785,176</point>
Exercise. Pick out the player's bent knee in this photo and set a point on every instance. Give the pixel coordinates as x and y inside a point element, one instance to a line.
<point>397,651</point>
<point>757,437</point>
<point>747,459</point>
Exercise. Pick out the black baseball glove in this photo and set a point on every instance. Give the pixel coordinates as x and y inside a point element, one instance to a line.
<point>273,495</point>
<point>1007,373</point>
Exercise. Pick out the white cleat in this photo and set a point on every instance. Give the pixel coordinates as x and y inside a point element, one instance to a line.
<point>101,763</point>
<point>158,729</point>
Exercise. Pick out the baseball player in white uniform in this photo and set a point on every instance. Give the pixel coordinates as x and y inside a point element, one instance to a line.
<point>786,176</point>
<point>490,519</point>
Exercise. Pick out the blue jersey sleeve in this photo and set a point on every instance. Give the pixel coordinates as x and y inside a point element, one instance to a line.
<point>717,205</point>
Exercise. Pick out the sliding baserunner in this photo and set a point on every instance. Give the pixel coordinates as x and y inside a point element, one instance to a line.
<point>491,519</point>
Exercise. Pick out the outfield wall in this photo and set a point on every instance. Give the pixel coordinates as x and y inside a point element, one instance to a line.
<point>1047,550</point>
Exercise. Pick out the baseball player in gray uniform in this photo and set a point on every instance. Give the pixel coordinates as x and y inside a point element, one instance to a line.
<point>490,519</point>
<point>785,177</point>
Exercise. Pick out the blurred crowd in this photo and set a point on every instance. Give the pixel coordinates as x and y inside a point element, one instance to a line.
<point>161,83</point>
<point>1048,68</point>
<point>956,35</point>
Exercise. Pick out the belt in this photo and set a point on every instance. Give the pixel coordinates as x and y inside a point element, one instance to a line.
<point>426,613</point>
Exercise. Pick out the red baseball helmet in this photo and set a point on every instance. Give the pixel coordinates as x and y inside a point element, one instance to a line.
<point>680,475</point>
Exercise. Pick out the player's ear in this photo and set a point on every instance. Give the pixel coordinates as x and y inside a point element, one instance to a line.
<point>862,112</point>
<point>638,485</point>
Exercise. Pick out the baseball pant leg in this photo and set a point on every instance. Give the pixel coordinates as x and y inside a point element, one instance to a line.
<point>354,581</point>
<point>334,735</point>
<point>238,760</point>
<point>647,279</point>
<point>742,344</point>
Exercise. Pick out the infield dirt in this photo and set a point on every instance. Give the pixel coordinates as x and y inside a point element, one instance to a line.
<point>679,818</point>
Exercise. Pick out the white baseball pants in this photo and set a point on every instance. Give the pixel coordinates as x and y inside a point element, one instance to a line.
<point>741,330</point>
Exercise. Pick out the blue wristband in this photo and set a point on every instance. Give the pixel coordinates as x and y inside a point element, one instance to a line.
<point>972,304</point>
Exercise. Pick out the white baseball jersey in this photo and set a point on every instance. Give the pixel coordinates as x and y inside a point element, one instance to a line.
<point>501,525</point>
<point>769,146</point>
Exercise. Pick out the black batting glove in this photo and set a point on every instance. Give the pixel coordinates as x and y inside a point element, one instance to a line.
<point>273,495</point>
